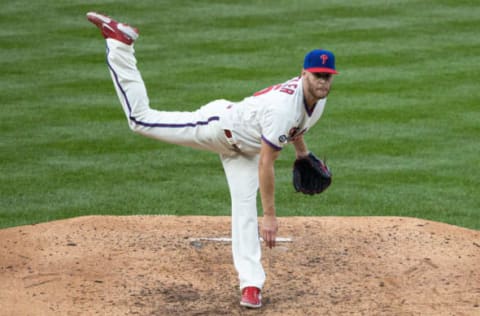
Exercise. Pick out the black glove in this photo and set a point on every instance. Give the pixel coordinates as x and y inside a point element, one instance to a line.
<point>311,175</point>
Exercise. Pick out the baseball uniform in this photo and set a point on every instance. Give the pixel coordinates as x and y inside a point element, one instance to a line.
<point>235,130</point>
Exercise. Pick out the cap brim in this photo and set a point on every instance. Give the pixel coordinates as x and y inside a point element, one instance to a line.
<point>325,70</point>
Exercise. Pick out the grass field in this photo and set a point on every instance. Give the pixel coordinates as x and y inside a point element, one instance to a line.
<point>401,129</point>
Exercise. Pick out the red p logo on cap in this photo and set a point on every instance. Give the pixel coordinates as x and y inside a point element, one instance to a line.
<point>324,58</point>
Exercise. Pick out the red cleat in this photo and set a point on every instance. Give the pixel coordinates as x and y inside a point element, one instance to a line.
<point>251,297</point>
<point>112,29</point>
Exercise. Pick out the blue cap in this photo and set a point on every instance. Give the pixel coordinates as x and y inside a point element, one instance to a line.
<point>320,60</point>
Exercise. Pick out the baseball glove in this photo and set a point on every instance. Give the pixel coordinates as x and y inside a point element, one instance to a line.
<point>311,175</point>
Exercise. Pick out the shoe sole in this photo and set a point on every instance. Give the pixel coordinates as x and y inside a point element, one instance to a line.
<point>245,304</point>
<point>98,19</point>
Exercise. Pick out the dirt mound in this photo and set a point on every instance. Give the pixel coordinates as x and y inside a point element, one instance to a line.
<point>156,265</point>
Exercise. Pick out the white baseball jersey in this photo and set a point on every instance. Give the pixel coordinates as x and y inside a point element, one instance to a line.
<point>276,114</point>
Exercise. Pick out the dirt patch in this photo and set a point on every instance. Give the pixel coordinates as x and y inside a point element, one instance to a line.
<point>152,265</point>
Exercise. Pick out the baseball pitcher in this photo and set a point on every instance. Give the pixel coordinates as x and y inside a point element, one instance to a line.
<point>248,135</point>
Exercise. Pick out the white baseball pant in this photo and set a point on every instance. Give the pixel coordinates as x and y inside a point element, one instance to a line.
<point>200,129</point>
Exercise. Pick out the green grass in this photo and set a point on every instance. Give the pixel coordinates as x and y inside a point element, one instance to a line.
<point>400,130</point>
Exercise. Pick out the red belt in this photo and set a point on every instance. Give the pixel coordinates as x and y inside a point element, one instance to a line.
<point>230,140</point>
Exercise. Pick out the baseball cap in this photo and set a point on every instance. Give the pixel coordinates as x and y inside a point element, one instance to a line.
<point>320,60</point>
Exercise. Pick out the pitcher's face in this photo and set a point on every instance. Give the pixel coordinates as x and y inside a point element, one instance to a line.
<point>317,84</point>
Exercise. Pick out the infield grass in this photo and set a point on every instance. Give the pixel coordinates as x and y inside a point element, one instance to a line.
<point>401,129</point>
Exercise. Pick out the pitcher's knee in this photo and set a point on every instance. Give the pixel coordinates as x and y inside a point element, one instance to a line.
<point>134,126</point>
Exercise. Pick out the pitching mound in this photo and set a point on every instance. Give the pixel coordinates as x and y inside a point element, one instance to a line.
<point>156,265</point>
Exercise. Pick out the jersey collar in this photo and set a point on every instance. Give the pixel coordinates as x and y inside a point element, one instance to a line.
<point>309,111</point>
